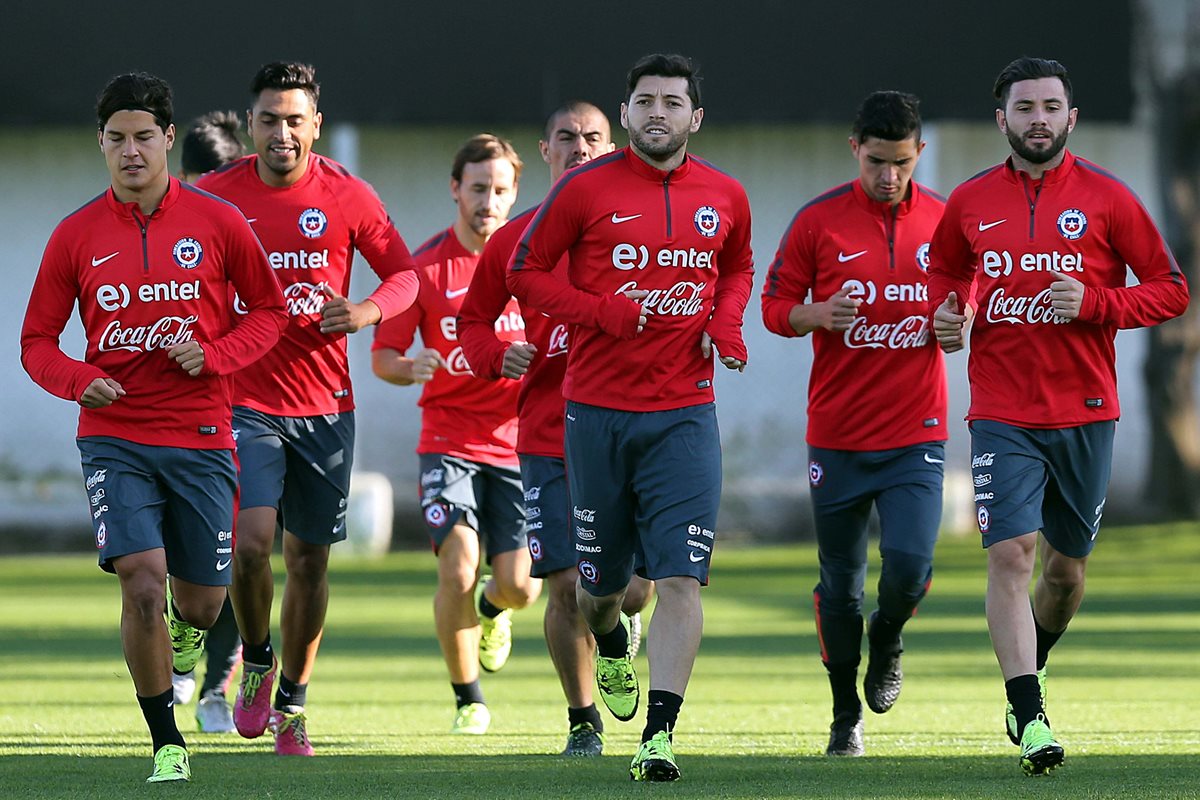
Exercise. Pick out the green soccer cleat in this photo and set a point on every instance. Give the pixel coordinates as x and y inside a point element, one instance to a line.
<point>1040,753</point>
<point>187,642</point>
<point>618,682</point>
<point>170,764</point>
<point>495,637</point>
<point>1010,719</point>
<point>655,760</point>
<point>472,719</point>
<point>584,740</point>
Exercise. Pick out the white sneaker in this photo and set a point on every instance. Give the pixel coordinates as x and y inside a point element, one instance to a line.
<point>213,713</point>
<point>184,686</point>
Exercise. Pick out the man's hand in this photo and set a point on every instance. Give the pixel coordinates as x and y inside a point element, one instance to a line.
<point>838,312</point>
<point>425,363</point>
<point>339,315</point>
<point>516,359</point>
<point>1066,297</point>
<point>101,392</point>
<point>189,356</point>
<point>637,296</point>
<point>706,350</point>
<point>948,325</point>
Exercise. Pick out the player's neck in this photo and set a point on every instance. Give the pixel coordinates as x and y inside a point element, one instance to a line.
<point>666,165</point>
<point>274,179</point>
<point>467,236</point>
<point>148,199</point>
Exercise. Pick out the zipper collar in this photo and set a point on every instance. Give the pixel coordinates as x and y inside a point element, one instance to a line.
<point>885,209</point>
<point>132,211</point>
<point>641,168</point>
<point>1049,177</point>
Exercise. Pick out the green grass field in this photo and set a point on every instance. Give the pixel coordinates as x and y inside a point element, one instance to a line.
<point>1123,693</point>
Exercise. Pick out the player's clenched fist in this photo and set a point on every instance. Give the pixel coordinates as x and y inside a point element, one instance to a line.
<point>101,392</point>
<point>1066,297</point>
<point>425,363</point>
<point>189,356</point>
<point>948,324</point>
<point>517,359</point>
<point>838,312</point>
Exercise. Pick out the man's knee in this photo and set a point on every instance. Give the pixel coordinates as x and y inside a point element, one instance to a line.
<point>1063,573</point>
<point>903,580</point>
<point>561,591</point>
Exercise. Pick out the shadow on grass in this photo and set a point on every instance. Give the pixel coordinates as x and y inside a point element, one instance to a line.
<point>242,775</point>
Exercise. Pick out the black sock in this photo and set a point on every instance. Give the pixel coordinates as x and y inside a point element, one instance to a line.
<point>1045,640</point>
<point>260,655</point>
<point>662,709</point>
<point>614,644</point>
<point>159,712</point>
<point>290,694</point>
<point>883,634</point>
<point>487,608</point>
<point>1026,698</point>
<point>576,716</point>
<point>467,693</point>
<point>843,680</point>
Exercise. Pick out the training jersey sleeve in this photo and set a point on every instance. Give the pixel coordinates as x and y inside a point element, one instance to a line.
<point>1161,293</point>
<point>399,332</point>
<point>951,258</point>
<point>55,290</point>
<point>789,279</point>
<point>485,302</point>
<point>735,280</point>
<point>380,243</point>
<point>251,275</point>
<point>559,224</point>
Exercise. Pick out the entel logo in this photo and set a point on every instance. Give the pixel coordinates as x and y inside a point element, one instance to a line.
<point>627,256</point>
<point>892,292</point>
<point>1000,263</point>
<point>111,298</point>
<point>301,259</point>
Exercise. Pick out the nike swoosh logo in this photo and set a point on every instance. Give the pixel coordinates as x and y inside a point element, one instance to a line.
<point>933,460</point>
<point>694,556</point>
<point>453,293</point>
<point>617,219</point>
<point>843,258</point>
<point>338,528</point>
<point>98,261</point>
<point>983,227</point>
<point>251,219</point>
<point>569,417</point>
<point>222,565</point>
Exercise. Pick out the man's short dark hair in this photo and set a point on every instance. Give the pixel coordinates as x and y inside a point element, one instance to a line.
<point>485,147</point>
<point>212,141</point>
<point>1028,69</point>
<point>661,65</point>
<point>569,107</point>
<point>136,91</point>
<point>284,75</point>
<point>894,116</point>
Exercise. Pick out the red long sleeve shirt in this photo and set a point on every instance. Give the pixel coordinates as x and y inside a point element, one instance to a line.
<point>310,230</point>
<point>461,415</point>
<point>1014,237</point>
<point>539,400</point>
<point>143,285</point>
<point>683,235</point>
<point>881,384</point>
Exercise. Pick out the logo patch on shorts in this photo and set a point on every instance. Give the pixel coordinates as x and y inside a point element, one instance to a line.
<point>101,535</point>
<point>535,548</point>
<point>187,253</point>
<point>589,572</point>
<point>984,517</point>
<point>816,473</point>
<point>313,222</point>
<point>436,514</point>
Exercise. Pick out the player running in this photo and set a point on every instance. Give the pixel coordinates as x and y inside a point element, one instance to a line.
<point>660,271</point>
<point>151,262</point>
<point>877,398</point>
<point>575,134</point>
<point>470,487</point>
<point>294,408</point>
<point>1045,237</point>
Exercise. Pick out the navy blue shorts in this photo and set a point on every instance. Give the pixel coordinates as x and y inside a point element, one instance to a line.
<point>1049,479</point>
<point>486,498</point>
<point>904,484</point>
<point>547,515</point>
<point>299,466</point>
<point>181,499</point>
<point>645,489</point>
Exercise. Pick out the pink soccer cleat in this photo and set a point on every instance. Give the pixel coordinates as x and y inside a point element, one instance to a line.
<point>291,733</point>
<point>252,709</point>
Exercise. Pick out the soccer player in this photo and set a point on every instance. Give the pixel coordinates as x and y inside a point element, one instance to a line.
<point>876,398</point>
<point>150,262</point>
<point>575,134</point>
<point>294,408</point>
<point>1046,237</point>
<point>470,486</point>
<point>210,142</point>
<point>660,271</point>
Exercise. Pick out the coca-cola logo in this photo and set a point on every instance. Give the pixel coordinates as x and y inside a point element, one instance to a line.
<point>1019,310</point>
<point>161,335</point>
<point>557,345</point>
<point>910,332</point>
<point>304,299</point>
<point>456,363</point>
<point>684,299</point>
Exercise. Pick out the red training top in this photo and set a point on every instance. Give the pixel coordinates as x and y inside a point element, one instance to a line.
<point>143,285</point>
